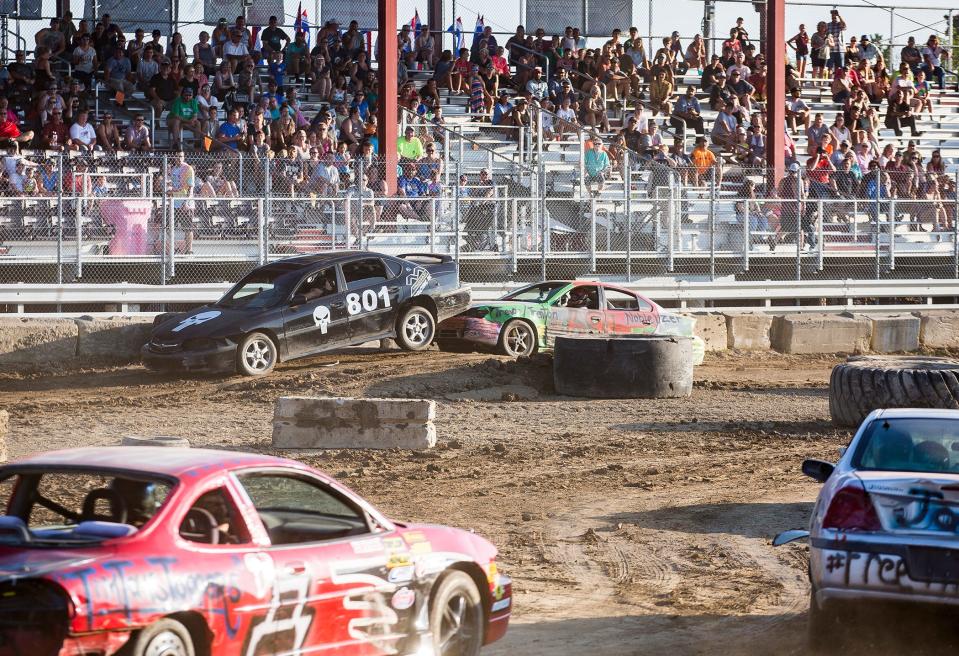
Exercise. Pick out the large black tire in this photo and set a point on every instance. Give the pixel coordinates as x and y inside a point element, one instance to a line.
<point>415,328</point>
<point>649,367</point>
<point>456,616</point>
<point>517,339</point>
<point>167,637</point>
<point>256,355</point>
<point>866,383</point>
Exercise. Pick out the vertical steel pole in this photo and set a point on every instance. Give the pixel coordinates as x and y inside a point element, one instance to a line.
<point>515,208</point>
<point>712,225</point>
<point>892,51</point>
<point>240,176</point>
<point>60,222</point>
<point>592,235</point>
<point>78,223</point>
<point>261,231</point>
<point>164,234</point>
<point>629,217</point>
<point>746,238</point>
<point>582,162</point>
<point>955,229</point>
<point>388,61</point>
<point>457,219</point>
<point>671,230</point>
<point>776,88</point>
<point>892,234</point>
<point>543,222</point>
<point>878,217</point>
<point>819,232</point>
<point>268,196</point>
<point>799,218</point>
<point>360,188</point>
<point>649,28</point>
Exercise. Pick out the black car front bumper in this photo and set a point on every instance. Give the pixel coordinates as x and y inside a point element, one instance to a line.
<point>214,359</point>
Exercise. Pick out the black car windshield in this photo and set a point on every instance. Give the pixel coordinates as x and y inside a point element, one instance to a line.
<point>260,289</point>
<point>64,508</point>
<point>539,293</point>
<point>910,444</point>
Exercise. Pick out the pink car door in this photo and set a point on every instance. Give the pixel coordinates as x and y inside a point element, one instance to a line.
<point>628,313</point>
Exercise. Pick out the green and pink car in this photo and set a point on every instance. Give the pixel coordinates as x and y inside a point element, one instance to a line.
<point>529,319</point>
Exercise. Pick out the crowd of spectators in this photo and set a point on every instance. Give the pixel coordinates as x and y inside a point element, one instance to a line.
<point>241,90</point>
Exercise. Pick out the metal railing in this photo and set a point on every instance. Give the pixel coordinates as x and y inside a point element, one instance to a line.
<point>213,217</point>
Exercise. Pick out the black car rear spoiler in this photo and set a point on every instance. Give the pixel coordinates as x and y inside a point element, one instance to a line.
<point>419,257</point>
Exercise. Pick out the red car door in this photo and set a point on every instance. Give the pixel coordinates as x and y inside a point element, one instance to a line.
<point>331,589</point>
<point>628,313</point>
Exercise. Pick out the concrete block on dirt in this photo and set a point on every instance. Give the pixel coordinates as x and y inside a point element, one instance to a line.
<point>711,328</point>
<point>37,341</point>
<point>4,427</point>
<point>340,423</point>
<point>895,333</point>
<point>748,331</point>
<point>938,328</point>
<point>112,340</point>
<point>820,333</point>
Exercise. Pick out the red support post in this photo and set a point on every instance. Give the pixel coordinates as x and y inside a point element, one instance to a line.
<point>388,114</point>
<point>775,41</point>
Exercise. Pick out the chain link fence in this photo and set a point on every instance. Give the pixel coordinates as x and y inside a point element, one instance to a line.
<point>172,219</point>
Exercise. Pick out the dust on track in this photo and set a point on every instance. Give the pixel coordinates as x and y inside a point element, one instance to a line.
<point>629,526</point>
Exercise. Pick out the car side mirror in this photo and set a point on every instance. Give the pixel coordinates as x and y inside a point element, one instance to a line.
<point>298,299</point>
<point>818,470</point>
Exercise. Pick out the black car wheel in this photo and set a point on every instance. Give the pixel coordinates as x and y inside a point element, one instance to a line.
<point>518,338</point>
<point>456,616</point>
<point>163,638</point>
<point>415,328</point>
<point>256,355</point>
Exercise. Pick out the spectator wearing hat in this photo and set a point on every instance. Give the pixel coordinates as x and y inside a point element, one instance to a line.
<point>184,113</point>
<point>137,137</point>
<point>273,37</point>
<point>911,55</point>
<point>721,93</point>
<point>868,51</point>
<point>724,127</point>
<point>687,113</point>
<point>711,74</point>
<point>597,165</point>
<point>409,146</point>
<point>502,108</point>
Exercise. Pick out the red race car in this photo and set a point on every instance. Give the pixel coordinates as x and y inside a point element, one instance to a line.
<point>146,551</point>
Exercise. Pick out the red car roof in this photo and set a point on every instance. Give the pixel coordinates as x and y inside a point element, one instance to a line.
<point>165,461</point>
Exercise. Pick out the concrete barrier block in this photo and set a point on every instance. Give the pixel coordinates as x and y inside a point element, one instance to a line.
<point>4,427</point>
<point>748,331</point>
<point>938,328</point>
<point>37,341</point>
<point>895,333</point>
<point>113,339</point>
<point>341,423</point>
<point>820,333</point>
<point>711,328</point>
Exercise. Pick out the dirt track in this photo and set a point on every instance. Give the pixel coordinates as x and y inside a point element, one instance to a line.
<point>630,527</point>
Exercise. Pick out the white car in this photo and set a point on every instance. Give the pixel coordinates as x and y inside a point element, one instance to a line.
<point>884,527</point>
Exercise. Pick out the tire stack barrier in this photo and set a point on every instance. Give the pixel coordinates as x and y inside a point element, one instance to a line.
<point>652,367</point>
<point>866,383</point>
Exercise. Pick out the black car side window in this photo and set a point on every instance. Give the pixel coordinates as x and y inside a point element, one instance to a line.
<point>364,272</point>
<point>318,284</point>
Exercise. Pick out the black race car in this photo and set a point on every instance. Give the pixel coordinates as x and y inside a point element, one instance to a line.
<point>303,305</point>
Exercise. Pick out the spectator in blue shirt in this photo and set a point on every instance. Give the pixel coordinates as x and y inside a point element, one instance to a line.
<point>597,165</point>
<point>688,113</point>
<point>502,108</point>
<point>230,133</point>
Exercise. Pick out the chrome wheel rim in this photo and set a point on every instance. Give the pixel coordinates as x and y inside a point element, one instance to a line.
<point>417,329</point>
<point>166,643</point>
<point>458,628</point>
<point>258,355</point>
<point>519,339</point>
